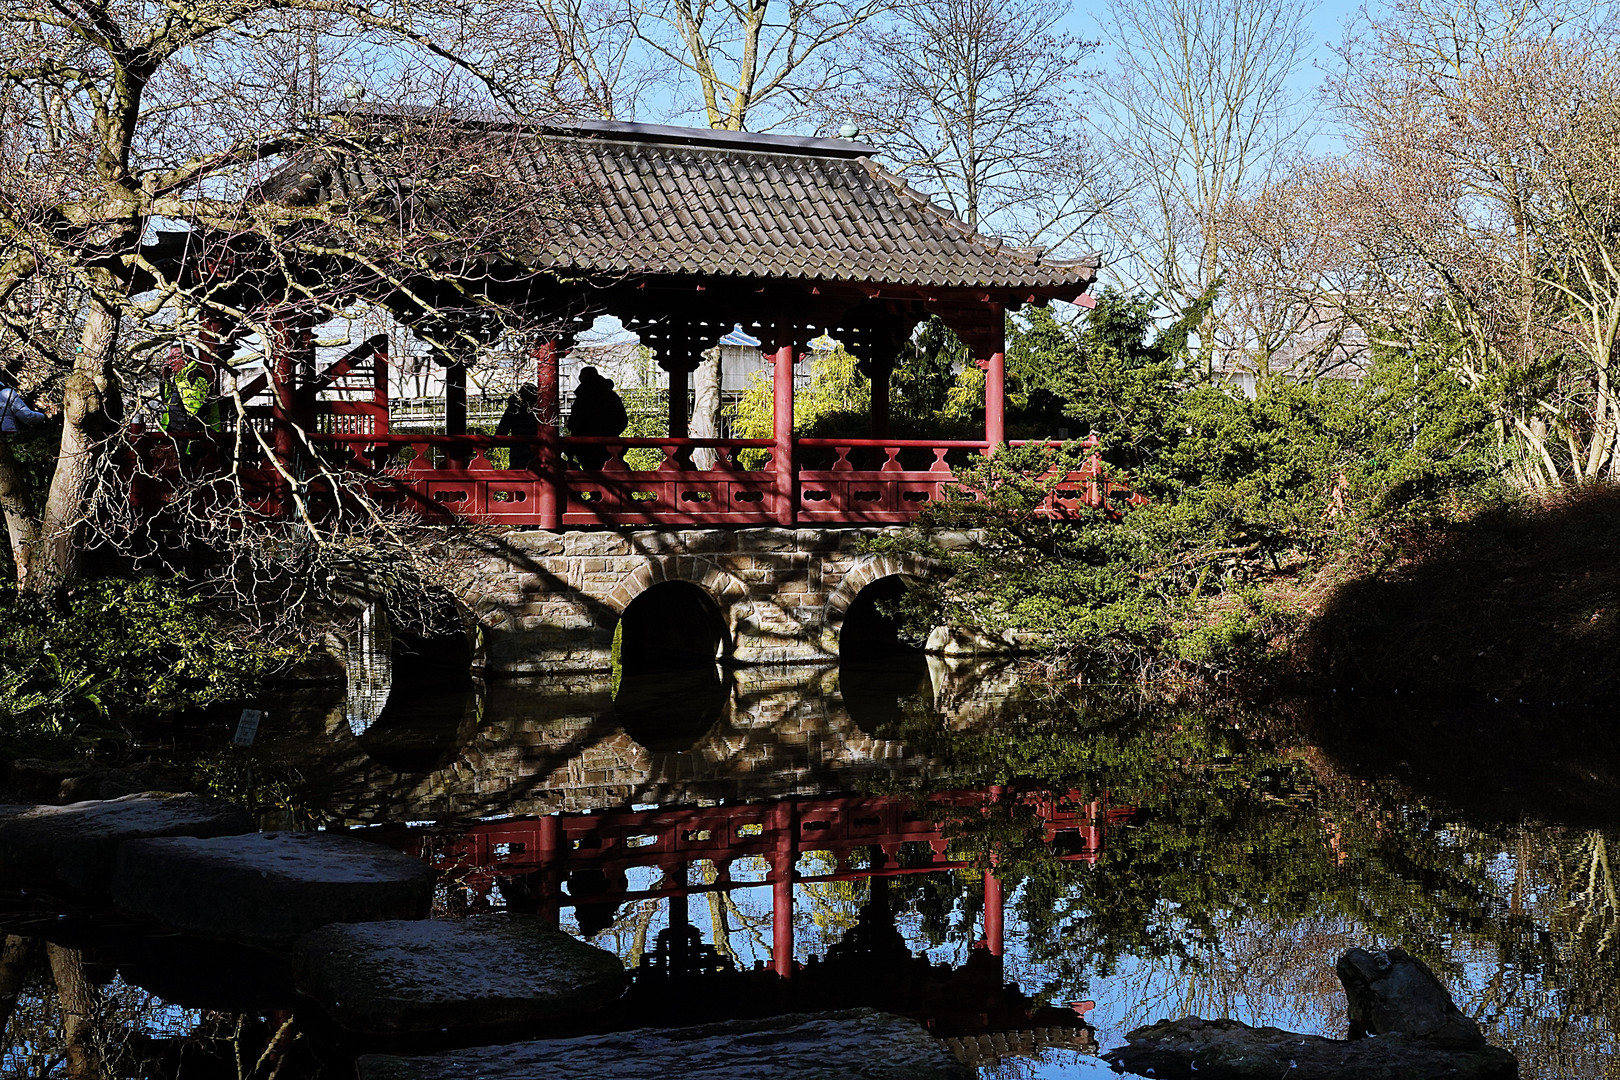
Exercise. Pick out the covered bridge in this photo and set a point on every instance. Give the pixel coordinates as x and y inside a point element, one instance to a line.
<point>682,233</point>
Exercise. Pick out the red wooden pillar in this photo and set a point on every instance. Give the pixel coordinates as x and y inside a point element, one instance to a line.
<point>548,460</point>
<point>994,914</point>
<point>994,907</point>
<point>995,381</point>
<point>782,827</point>
<point>283,409</point>
<point>551,871</point>
<point>379,384</point>
<point>782,464</point>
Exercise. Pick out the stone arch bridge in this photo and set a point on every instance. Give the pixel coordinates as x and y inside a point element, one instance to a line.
<point>553,601</point>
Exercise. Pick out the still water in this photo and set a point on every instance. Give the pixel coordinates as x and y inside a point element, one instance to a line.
<point>1030,874</point>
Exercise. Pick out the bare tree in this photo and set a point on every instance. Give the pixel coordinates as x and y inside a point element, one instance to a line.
<point>602,62</point>
<point>1480,194</point>
<point>120,119</point>
<point>977,103</point>
<point>1199,109</point>
<point>754,59</point>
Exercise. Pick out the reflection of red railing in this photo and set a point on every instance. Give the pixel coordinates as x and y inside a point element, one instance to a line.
<point>861,836</point>
<point>590,482</point>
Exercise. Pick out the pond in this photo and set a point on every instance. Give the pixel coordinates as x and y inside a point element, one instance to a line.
<point>1030,874</point>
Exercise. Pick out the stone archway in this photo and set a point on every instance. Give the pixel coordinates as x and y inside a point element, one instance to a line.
<point>865,572</point>
<point>723,589</point>
<point>671,625</point>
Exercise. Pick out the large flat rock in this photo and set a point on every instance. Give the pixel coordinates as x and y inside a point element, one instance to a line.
<point>269,887</point>
<point>859,1044</point>
<point>1194,1049</point>
<point>70,850</point>
<point>489,972</point>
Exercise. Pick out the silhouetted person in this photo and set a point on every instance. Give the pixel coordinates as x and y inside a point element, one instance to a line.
<point>521,422</point>
<point>597,411</point>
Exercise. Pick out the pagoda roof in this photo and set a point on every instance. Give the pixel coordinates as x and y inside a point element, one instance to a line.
<point>656,200</point>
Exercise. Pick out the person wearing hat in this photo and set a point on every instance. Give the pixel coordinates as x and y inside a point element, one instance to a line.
<point>598,410</point>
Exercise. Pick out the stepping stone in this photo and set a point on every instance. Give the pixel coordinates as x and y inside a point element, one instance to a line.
<point>70,850</point>
<point>858,1044</point>
<point>487,972</point>
<point>269,887</point>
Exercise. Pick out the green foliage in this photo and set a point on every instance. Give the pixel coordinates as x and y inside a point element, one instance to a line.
<point>925,372</point>
<point>1232,492</point>
<point>84,663</point>
<point>648,411</point>
<point>836,404</point>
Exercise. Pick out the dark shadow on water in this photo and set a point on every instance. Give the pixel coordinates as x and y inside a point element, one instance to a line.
<point>1495,762</point>
<point>670,709</point>
<point>881,669</point>
<point>878,692</point>
<point>425,723</point>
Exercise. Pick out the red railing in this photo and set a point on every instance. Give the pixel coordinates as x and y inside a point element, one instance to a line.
<point>613,481</point>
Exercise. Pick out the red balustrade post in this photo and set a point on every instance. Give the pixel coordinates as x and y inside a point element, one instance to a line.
<point>782,463</point>
<point>548,498</point>
<point>995,381</point>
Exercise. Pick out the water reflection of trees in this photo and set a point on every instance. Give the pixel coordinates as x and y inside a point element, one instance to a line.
<point>1251,864</point>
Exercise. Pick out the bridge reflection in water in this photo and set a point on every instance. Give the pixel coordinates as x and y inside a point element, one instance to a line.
<point>584,863</point>
<point>733,835</point>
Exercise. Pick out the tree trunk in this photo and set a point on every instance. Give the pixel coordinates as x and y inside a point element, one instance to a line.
<point>58,556</point>
<point>81,1014</point>
<point>17,958</point>
<point>22,531</point>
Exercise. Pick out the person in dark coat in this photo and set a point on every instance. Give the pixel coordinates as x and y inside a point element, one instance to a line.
<point>521,422</point>
<point>597,410</point>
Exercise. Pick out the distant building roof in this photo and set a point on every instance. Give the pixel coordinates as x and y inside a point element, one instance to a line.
<point>694,202</point>
<point>741,338</point>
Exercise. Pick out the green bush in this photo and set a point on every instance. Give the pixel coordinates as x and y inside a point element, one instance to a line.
<point>1233,492</point>
<point>93,661</point>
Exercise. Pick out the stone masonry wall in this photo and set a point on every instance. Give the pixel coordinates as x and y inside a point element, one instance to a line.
<point>550,601</point>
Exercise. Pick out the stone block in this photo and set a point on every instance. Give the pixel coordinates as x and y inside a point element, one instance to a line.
<point>858,1044</point>
<point>1229,1050</point>
<point>595,543</point>
<point>683,542</point>
<point>766,540</point>
<point>71,849</point>
<point>535,542</point>
<point>488,973</point>
<point>268,887</point>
